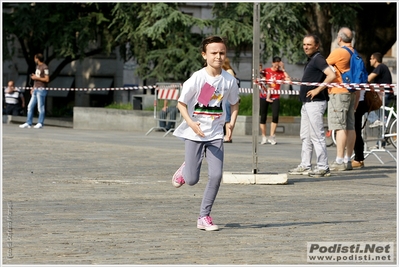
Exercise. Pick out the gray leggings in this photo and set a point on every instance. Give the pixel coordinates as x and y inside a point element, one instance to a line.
<point>195,152</point>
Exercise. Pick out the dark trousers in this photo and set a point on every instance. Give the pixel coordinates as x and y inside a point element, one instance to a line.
<point>264,108</point>
<point>164,122</point>
<point>359,144</point>
<point>13,109</point>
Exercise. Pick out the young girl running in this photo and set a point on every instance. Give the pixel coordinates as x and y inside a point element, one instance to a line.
<point>201,105</point>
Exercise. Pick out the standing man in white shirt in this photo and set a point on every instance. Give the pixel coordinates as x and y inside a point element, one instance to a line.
<point>14,99</point>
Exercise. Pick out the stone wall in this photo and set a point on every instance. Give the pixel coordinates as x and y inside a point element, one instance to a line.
<point>139,120</point>
<point>142,121</point>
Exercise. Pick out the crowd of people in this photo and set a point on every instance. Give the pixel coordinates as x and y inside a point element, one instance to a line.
<point>345,108</point>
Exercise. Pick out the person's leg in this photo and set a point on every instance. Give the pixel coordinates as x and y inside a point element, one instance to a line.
<point>350,127</point>
<point>194,153</point>
<point>263,116</point>
<point>359,143</point>
<point>172,116</point>
<point>162,118</point>
<point>263,129</point>
<point>214,157</point>
<point>41,103</point>
<point>307,149</point>
<point>337,110</point>
<point>317,133</point>
<point>275,116</point>
<point>273,127</point>
<point>341,136</point>
<point>15,110</point>
<point>31,107</point>
<point>9,109</point>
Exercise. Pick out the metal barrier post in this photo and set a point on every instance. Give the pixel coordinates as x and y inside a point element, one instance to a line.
<point>166,92</point>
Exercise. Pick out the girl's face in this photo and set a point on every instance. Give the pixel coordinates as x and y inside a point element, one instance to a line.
<point>215,55</point>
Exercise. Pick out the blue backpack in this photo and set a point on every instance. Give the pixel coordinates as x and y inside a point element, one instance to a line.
<point>357,72</point>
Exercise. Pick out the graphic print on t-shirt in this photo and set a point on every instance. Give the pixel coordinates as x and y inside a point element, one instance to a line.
<point>206,94</point>
<point>214,108</point>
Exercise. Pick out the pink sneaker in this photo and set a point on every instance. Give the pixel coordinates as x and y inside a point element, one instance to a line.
<point>178,179</point>
<point>205,223</point>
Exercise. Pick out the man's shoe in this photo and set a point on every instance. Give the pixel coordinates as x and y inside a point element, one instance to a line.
<point>264,140</point>
<point>205,223</point>
<point>299,170</point>
<point>357,164</point>
<point>377,123</point>
<point>177,179</point>
<point>317,173</point>
<point>25,125</point>
<point>38,126</point>
<point>349,166</point>
<point>272,140</point>
<point>337,167</point>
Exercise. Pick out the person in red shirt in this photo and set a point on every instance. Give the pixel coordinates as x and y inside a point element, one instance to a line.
<point>275,72</point>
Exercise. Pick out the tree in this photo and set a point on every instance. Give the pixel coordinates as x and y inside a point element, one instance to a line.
<point>67,31</point>
<point>234,22</point>
<point>161,38</point>
<point>283,26</point>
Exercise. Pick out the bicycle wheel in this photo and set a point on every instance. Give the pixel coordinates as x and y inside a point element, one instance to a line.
<point>334,136</point>
<point>393,133</point>
<point>329,140</point>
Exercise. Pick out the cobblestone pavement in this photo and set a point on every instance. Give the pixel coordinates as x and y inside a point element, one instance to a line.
<point>102,197</point>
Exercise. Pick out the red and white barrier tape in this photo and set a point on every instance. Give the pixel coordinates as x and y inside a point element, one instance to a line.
<point>341,85</point>
<point>357,86</point>
<point>361,86</point>
<point>94,89</point>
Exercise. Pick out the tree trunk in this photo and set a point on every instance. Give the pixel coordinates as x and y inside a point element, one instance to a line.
<point>318,16</point>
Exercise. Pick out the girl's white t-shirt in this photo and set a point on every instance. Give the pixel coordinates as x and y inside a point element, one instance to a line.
<point>212,116</point>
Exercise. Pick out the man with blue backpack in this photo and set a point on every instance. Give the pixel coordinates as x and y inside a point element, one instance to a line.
<point>343,99</point>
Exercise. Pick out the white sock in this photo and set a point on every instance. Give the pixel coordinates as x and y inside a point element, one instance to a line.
<point>339,160</point>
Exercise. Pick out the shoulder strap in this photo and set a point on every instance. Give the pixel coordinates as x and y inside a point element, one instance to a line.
<point>350,52</point>
<point>347,49</point>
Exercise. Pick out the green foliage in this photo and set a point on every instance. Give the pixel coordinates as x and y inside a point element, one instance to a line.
<point>165,41</point>
<point>288,106</point>
<point>67,31</point>
<point>245,107</point>
<point>233,21</point>
<point>283,25</point>
<point>120,106</point>
<point>164,45</point>
<point>278,23</point>
<point>343,19</point>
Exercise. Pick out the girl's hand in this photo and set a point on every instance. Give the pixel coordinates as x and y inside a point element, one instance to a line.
<point>195,126</point>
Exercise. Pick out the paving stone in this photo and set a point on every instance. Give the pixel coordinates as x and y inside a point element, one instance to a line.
<point>82,197</point>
